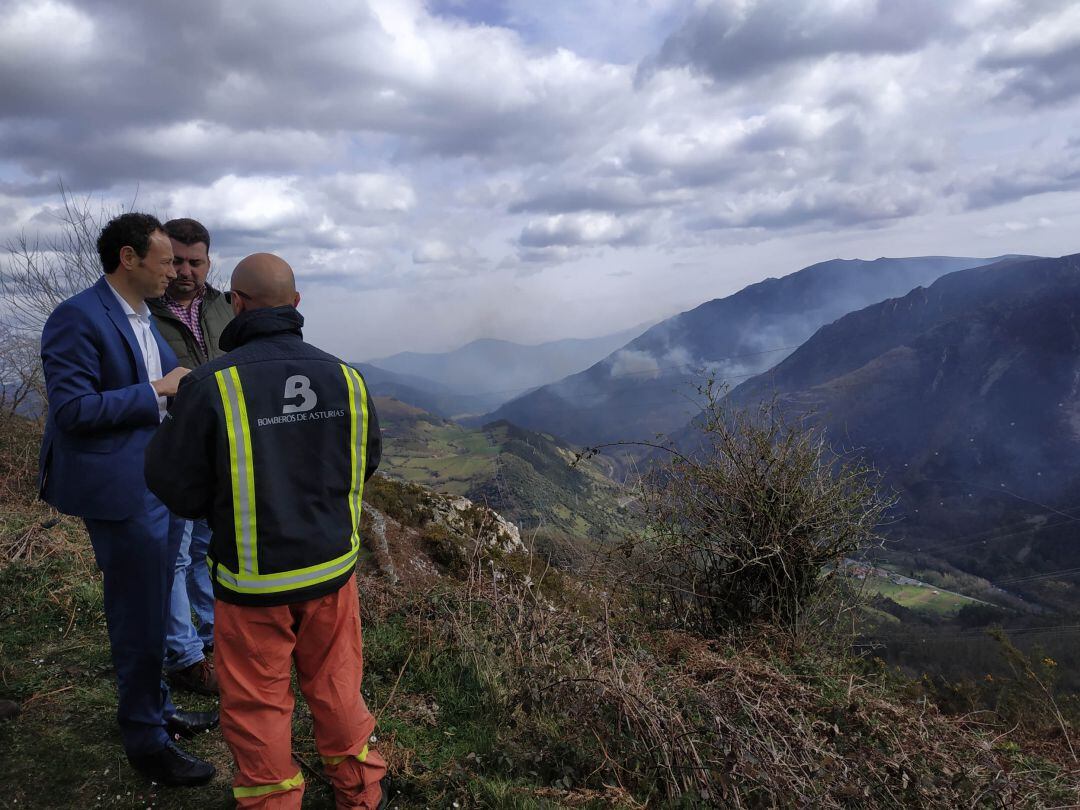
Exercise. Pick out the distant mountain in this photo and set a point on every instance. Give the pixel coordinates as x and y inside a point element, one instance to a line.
<point>525,476</point>
<point>647,386</point>
<point>419,392</point>
<point>966,397</point>
<point>494,371</point>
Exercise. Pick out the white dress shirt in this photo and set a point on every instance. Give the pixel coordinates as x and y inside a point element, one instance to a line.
<point>140,325</point>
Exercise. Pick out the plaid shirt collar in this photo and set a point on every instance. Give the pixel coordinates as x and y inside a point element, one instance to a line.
<point>189,315</point>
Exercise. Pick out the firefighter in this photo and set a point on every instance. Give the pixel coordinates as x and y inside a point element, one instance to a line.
<point>273,443</point>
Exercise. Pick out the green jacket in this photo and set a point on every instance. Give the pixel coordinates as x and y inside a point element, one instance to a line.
<point>214,315</point>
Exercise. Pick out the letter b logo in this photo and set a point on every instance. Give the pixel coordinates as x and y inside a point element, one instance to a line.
<point>299,386</point>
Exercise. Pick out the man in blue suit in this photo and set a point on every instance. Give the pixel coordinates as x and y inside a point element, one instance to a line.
<point>108,373</point>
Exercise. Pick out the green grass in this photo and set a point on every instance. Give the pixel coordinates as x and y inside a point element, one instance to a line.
<point>64,749</point>
<point>921,598</point>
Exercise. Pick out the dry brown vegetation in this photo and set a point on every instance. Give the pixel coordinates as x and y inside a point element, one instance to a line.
<point>588,700</point>
<point>26,524</point>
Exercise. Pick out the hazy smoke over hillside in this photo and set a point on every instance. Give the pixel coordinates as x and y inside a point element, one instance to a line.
<point>633,362</point>
<point>647,386</point>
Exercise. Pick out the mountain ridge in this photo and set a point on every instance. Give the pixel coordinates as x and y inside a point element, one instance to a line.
<point>647,387</point>
<point>966,396</point>
<point>492,371</point>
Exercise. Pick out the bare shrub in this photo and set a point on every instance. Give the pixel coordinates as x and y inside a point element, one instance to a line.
<point>751,528</point>
<point>38,272</point>
<point>22,383</point>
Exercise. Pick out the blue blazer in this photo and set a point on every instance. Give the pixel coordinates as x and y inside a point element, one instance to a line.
<point>102,411</point>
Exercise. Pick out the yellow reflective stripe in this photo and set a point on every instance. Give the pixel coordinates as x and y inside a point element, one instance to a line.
<point>362,756</point>
<point>352,452</point>
<point>287,580</point>
<point>358,436</point>
<point>246,792</point>
<point>242,468</point>
<point>362,446</point>
<point>253,536</point>
<point>234,465</point>
<point>295,573</point>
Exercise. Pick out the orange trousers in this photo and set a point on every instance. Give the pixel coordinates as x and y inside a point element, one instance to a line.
<point>255,650</point>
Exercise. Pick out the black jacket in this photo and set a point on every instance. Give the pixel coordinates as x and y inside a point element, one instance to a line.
<point>272,443</point>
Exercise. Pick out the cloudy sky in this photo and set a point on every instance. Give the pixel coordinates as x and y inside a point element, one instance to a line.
<point>444,170</point>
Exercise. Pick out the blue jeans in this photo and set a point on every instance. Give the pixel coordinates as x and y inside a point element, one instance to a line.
<point>191,589</point>
<point>137,557</point>
<point>200,591</point>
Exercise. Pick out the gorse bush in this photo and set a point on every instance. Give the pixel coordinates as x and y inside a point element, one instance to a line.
<point>747,529</point>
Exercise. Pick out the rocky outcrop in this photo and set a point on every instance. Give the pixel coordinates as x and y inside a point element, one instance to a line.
<point>471,521</point>
<point>379,545</point>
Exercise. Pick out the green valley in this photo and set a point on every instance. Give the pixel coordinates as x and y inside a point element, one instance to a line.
<point>528,477</point>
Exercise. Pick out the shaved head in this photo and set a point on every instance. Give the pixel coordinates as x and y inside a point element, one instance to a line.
<point>264,280</point>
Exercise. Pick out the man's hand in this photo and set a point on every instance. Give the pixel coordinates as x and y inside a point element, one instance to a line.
<point>167,385</point>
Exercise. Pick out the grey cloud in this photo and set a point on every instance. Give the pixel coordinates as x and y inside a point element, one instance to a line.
<point>276,67</point>
<point>1047,78</point>
<point>576,198</point>
<point>729,42</point>
<point>104,64</point>
<point>1007,184</point>
<point>88,159</point>
<point>781,144</point>
<point>540,257</point>
<point>665,172</point>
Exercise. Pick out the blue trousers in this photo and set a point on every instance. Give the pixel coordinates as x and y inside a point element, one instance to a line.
<point>191,590</point>
<point>136,557</point>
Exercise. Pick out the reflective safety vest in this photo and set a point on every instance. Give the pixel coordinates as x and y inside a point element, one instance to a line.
<point>289,436</point>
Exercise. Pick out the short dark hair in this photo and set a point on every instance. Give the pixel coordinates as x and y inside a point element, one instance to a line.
<point>187,231</point>
<point>127,230</point>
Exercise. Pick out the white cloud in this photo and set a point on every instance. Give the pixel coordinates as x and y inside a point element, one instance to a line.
<point>245,203</point>
<point>1044,36</point>
<point>435,251</point>
<point>45,33</point>
<point>1014,227</point>
<point>371,191</point>
<point>185,143</point>
<point>571,230</point>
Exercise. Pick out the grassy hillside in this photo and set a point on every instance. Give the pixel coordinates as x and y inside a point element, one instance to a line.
<point>499,682</point>
<point>527,477</point>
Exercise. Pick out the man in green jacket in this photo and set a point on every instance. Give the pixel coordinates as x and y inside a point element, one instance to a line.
<point>191,316</point>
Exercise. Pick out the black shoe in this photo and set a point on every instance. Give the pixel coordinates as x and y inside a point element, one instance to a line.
<point>173,766</point>
<point>384,800</point>
<point>188,724</point>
